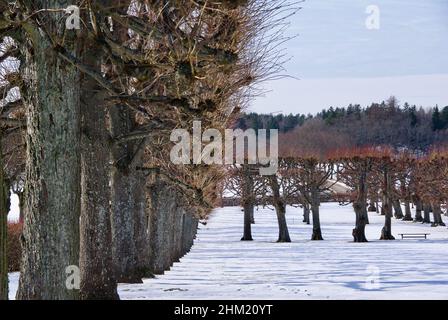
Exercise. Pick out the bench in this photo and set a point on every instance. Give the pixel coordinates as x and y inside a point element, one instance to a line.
<point>414,235</point>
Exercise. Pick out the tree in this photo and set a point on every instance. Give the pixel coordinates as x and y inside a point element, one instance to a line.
<point>53,157</point>
<point>437,123</point>
<point>354,170</point>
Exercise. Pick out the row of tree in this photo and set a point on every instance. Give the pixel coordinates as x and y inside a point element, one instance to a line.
<point>86,118</point>
<point>368,178</point>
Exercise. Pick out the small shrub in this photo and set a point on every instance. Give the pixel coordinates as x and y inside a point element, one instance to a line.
<point>14,246</point>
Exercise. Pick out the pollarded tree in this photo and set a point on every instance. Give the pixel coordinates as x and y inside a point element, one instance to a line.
<point>244,183</point>
<point>354,170</point>
<point>431,176</point>
<point>384,167</point>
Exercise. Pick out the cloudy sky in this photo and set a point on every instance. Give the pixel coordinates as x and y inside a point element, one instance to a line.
<point>337,60</point>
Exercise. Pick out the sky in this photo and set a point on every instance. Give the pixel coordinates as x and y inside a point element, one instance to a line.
<point>335,59</point>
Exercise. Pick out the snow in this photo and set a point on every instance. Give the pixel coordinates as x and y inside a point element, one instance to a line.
<point>220,266</point>
<point>14,213</point>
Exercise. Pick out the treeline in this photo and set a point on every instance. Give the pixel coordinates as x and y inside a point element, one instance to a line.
<point>386,123</point>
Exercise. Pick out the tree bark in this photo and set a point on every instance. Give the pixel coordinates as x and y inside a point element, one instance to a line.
<point>162,205</point>
<point>128,204</point>
<point>50,238</point>
<point>4,204</point>
<point>96,262</point>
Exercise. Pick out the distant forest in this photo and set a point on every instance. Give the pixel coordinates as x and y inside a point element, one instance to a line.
<point>385,123</point>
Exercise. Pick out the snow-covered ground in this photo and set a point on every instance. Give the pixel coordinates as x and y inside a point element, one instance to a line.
<point>220,266</point>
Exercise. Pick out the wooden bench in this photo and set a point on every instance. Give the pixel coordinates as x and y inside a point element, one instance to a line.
<point>414,235</point>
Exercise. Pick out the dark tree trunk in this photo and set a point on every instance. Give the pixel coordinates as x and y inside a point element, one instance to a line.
<point>418,211</point>
<point>398,212</point>
<point>280,209</point>
<point>50,239</point>
<point>360,206</point>
<point>437,213</point>
<point>386,232</point>
<point>248,204</point>
<point>162,205</point>
<point>315,204</point>
<point>306,213</point>
<point>127,212</point>
<point>248,211</point>
<point>96,262</point>
<point>4,208</point>
<point>252,216</point>
<point>426,213</point>
<point>372,207</point>
<point>407,210</point>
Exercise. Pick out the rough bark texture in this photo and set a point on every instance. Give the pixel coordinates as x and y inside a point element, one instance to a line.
<point>162,205</point>
<point>407,210</point>
<point>96,262</point>
<point>4,195</point>
<point>315,204</point>
<point>128,204</point>
<point>166,219</point>
<point>50,239</point>
<point>280,209</point>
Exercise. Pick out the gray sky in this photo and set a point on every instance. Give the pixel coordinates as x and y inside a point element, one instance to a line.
<point>338,60</point>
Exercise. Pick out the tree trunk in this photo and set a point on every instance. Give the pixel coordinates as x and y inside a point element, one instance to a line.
<point>306,213</point>
<point>407,210</point>
<point>162,198</point>
<point>126,205</point>
<point>360,206</point>
<point>372,207</point>
<point>418,211</point>
<point>398,212</point>
<point>96,261</point>
<point>386,232</point>
<point>426,213</point>
<point>437,213</point>
<point>248,210</point>
<point>248,204</point>
<point>315,204</point>
<point>280,209</point>
<point>50,238</point>
<point>4,204</point>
